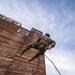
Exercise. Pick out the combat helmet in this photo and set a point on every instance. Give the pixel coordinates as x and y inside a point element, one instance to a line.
<point>47,35</point>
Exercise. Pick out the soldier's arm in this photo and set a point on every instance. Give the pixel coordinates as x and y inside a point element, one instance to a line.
<point>52,45</point>
<point>38,39</point>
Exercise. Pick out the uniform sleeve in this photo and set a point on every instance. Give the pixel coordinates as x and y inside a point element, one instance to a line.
<point>52,45</point>
<point>38,39</point>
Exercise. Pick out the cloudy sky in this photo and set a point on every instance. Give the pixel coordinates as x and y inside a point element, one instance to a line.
<point>57,17</point>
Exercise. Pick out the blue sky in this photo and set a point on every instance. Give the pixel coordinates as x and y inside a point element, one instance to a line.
<point>57,17</point>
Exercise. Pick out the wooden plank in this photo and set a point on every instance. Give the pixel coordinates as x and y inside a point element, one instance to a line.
<point>4,62</point>
<point>13,73</point>
<point>2,71</point>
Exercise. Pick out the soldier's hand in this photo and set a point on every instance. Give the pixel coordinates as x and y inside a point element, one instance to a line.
<point>46,47</point>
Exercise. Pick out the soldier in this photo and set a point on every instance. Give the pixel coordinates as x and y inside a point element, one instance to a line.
<point>42,44</point>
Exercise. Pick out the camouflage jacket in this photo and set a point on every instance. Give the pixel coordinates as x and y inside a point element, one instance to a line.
<point>47,41</point>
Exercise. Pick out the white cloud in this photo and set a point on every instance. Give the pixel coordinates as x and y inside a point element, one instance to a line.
<point>63,59</point>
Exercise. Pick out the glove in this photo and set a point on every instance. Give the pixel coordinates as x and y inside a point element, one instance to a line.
<point>48,47</point>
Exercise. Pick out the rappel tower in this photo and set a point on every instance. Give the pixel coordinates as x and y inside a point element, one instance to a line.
<point>13,39</point>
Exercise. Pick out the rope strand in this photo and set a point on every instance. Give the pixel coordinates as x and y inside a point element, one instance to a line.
<point>53,65</point>
<point>37,66</point>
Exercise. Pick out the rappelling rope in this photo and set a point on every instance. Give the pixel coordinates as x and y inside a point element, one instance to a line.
<point>37,67</point>
<point>53,65</point>
<point>13,58</point>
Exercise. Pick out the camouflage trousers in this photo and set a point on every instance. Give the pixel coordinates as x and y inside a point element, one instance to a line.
<point>38,46</point>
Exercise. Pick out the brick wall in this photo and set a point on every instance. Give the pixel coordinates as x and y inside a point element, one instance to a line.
<point>12,42</point>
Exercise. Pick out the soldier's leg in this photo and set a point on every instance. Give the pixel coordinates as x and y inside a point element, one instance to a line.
<point>27,48</point>
<point>34,57</point>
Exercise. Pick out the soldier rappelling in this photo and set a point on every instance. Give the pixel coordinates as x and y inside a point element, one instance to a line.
<point>42,44</point>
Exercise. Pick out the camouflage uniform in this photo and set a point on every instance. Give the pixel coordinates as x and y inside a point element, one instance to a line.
<point>42,44</point>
